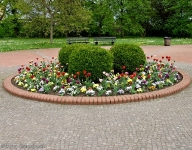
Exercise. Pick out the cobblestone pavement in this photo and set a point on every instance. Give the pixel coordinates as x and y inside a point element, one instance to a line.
<point>160,124</point>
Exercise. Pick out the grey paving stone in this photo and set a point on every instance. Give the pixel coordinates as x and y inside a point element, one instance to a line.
<point>164,123</point>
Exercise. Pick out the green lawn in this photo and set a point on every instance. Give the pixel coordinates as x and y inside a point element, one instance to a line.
<point>12,44</point>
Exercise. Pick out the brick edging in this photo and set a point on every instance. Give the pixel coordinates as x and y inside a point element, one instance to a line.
<point>78,100</point>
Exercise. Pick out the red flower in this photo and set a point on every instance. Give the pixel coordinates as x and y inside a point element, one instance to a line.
<point>88,74</point>
<point>149,76</point>
<point>123,67</point>
<point>27,68</point>
<point>122,74</point>
<point>32,76</point>
<point>134,73</point>
<point>52,57</point>
<point>58,73</point>
<point>78,73</point>
<point>63,73</point>
<point>162,57</point>
<point>44,69</point>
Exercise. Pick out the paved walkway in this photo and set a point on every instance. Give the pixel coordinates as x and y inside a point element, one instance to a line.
<point>160,124</point>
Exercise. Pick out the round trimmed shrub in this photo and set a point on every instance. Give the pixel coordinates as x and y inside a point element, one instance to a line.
<point>129,55</point>
<point>93,59</point>
<point>65,52</point>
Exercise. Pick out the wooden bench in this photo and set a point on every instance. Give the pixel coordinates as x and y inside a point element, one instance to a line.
<point>72,40</point>
<point>104,40</point>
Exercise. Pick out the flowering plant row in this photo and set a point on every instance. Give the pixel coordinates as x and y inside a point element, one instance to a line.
<point>50,78</point>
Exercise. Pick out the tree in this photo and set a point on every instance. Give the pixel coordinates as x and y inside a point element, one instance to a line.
<point>9,17</point>
<point>63,15</point>
<point>102,17</point>
<point>180,23</point>
<point>131,16</point>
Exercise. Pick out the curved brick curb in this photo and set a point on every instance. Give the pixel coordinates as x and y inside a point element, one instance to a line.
<point>97,100</point>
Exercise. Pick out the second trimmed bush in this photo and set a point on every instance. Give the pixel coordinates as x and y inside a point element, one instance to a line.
<point>129,55</point>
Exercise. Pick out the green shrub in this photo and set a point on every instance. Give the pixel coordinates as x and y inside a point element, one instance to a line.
<point>93,59</point>
<point>65,52</point>
<point>129,55</point>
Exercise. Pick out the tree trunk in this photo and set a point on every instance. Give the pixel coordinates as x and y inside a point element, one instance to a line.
<point>51,28</point>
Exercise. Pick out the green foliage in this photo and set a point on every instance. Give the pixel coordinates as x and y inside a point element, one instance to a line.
<point>2,31</point>
<point>66,51</point>
<point>93,59</point>
<point>129,55</point>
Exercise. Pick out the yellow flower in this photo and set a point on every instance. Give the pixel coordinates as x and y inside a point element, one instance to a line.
<point>20,84</point>
<point>34,79</point>
<point>139,90</point>
<point>83,89</point>
<point>66,74</point>
<point>152,87</point>
<point>129,80</point>
<point>50,83</point>
<point>143,76</point>
<point>33,90</point>
<point>64,81</point>
<point>26,85</point>
<point>95,85</point>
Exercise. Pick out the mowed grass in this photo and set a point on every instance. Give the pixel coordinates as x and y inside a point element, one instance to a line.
<point>12,44</point>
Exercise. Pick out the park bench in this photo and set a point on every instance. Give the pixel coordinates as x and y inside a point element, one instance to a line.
<point>71,40</point>
<point>111,40</point>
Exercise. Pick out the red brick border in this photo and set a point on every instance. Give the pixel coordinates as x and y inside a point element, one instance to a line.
<point>77,100</point>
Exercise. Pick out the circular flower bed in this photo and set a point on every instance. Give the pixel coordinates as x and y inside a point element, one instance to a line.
<point>50,78</point>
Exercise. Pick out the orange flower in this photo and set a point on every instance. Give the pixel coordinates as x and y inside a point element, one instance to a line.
<point>74,76</point>
<point>131,76</point>
<point>84,72</point>
<point>122,74</point>
<point>78,73</point>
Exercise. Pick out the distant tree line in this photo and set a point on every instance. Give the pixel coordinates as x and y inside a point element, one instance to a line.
<point>59,18</point>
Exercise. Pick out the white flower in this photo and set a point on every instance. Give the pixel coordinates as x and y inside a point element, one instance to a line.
<point>62,91</point>
<point>74,87</point>
<point>120,91</point>
<point>138,86</point>
<point>55,88</point>
<point>108,92</point>
<point>128,88</point>
<point>100,80</point>
<point>90,92</point>
<point>69,90</point>
<point>99,88</point>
